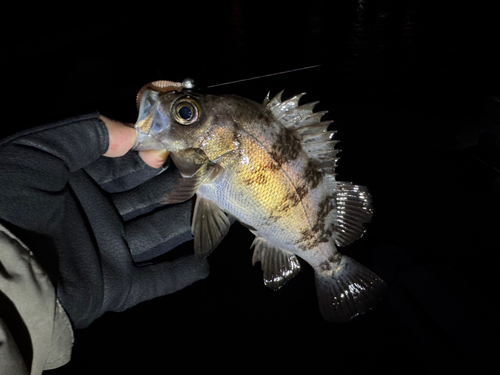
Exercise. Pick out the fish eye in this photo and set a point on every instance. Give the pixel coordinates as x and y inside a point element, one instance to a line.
<point>186,111</point>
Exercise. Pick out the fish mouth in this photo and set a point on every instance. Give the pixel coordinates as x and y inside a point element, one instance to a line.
<point>150,123</point>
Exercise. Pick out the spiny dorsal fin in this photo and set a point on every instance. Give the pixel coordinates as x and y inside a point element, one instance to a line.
<point>316,139</point>
<point>278,265</point>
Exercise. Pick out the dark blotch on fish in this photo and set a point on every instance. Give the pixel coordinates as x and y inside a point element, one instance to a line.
<point>297,195</point>
<point>272,166</point>
<point>287,147</point>
<point>325,266</point>
<point>317,233</point>
<point>312,174</point>
<point>293,199</point>
<point>261,174</point>
<point>325,207</point>
<point>302,191</point>
<point>307,236</point>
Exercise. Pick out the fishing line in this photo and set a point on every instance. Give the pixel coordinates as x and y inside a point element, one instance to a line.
<point>267,75</point>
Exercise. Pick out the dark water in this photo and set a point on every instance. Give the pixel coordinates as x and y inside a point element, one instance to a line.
<point>411,86</point>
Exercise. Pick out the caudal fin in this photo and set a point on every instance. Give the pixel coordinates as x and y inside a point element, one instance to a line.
<point>347,289</point>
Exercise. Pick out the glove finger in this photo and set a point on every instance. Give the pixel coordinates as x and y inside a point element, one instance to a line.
<point>155,234</point>
<point>122,173</point>
<point>160,279</point>
<point>148,196</point>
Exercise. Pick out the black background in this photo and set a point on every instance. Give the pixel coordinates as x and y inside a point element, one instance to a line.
<point>411,87</point>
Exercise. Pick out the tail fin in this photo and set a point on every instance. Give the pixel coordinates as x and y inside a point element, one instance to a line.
<point>347,289</point>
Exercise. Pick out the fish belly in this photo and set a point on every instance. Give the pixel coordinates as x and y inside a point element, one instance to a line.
<point>264,211</point>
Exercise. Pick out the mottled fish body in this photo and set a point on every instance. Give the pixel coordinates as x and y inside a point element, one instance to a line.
<point>271,166</point>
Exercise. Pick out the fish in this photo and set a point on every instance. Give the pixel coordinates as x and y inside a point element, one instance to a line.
<point>271,166</point>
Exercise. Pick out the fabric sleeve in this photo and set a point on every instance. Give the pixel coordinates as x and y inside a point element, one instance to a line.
<point>35,332</point>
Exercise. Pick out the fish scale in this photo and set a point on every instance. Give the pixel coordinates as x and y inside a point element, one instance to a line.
<point>260,203</point>
<point>272,167</point>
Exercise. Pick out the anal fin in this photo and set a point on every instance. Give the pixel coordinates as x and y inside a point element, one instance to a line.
<point>347,289</point>
<point>278,265</point>
<point>210,226</point>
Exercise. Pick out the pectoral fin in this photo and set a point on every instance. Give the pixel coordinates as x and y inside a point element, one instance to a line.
<point>210,226</point>
<point>188,186</point>
<point>278,265</point>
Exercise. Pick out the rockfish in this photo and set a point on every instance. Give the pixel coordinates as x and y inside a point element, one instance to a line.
<point>272,167</point>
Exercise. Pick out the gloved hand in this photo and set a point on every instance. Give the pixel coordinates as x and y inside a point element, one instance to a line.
<point>89,219</point>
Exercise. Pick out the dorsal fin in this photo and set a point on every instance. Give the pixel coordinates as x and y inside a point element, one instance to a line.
<point>317,141</point>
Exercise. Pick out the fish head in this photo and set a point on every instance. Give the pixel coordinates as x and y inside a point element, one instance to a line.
<point>171,120</point>
<point>189,124</point>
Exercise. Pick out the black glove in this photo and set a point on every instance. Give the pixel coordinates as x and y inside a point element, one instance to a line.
<point>88,219</point>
